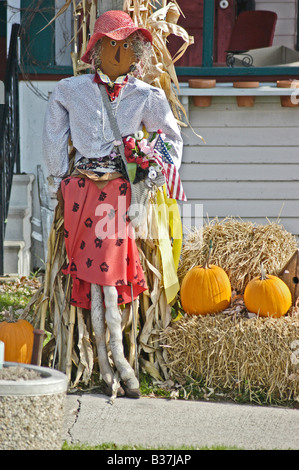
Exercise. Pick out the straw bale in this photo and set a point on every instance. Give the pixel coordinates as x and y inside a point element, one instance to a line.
<point>239,247</point>
<point>236,352</point>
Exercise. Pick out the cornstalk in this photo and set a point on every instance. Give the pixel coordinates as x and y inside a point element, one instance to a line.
<point>72,318</point>
<point>154,309</point>
<point>84,26</point>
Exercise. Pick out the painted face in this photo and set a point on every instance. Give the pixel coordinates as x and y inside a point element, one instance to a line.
<point>116,57</point>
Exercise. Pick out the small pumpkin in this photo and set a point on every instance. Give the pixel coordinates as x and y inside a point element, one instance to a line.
<point>267,296</point>
<point>205,289</point>
<point>17,336</point>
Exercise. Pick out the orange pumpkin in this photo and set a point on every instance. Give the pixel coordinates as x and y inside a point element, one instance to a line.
<point>17,336</point>
<point>267,296</point>
<point>205,289</point>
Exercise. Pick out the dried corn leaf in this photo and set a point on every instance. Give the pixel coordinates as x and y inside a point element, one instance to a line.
<point>151,369</point>
<point>85,348</point>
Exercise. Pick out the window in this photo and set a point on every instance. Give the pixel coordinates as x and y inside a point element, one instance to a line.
<point>45,49</point>
<point>211,23</point>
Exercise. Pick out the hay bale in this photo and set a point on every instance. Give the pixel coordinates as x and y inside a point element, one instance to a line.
<point>239,248</point>
<point>233,352</point>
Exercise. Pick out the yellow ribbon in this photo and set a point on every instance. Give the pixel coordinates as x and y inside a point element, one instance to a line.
<point>170,241</point>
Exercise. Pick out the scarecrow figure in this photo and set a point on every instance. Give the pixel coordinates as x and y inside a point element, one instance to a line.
<point>103,259</point>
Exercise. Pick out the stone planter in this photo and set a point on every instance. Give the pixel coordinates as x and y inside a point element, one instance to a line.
<point>288,101</point>
<point>32,402</point>
<point>246,101</point>
<point>202,101</point>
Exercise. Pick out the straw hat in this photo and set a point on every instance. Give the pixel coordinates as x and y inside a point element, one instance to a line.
<point>116,24</point>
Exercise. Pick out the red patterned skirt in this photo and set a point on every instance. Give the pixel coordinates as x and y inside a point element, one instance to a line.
<point>99,239</point>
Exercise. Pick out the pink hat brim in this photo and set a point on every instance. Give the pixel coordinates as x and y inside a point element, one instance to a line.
<point>118,35</point>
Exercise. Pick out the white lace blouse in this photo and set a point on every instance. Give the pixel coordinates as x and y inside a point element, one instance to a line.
<point>76,110</point>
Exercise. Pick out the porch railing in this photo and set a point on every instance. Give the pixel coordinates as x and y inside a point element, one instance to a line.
<point>9,135</point>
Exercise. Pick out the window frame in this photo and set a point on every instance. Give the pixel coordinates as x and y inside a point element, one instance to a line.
<point>49,68</point>
<point>207,69</point>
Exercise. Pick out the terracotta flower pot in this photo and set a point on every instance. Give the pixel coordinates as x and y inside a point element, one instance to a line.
<point>202,101</point>
<point>288,101</point>
<point>246,101</point>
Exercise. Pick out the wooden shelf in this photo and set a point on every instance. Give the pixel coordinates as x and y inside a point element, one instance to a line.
<point>227,89</point>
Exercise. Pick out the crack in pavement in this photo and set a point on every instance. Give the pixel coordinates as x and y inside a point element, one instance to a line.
<point>75,412</point>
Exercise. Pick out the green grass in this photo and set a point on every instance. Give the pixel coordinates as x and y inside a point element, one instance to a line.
<point>15,300</point>
<point>112,446</point>
<point>16,293</point>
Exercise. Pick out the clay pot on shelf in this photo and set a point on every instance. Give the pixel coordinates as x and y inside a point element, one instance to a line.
<point>246,101</point>
<point>289,101</point>
<point>202,101</point>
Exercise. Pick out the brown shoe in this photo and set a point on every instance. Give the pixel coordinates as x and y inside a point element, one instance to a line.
<point>131,392</point>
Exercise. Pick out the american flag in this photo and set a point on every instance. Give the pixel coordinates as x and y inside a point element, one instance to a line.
<point>173,181</point>
<point>162,149</point>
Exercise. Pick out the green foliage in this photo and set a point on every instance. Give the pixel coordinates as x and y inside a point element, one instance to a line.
<point>113,446</point>
<point>16,293</point>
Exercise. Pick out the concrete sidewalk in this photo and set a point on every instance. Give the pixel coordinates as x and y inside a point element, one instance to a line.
<point>153,422</point>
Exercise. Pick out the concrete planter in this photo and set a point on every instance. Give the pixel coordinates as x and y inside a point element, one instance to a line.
<point>32,409</point>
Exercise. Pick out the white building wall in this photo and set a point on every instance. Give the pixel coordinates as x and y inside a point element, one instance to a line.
<point>33,102</point>
<point>249,165</point>
<point>285,33</point>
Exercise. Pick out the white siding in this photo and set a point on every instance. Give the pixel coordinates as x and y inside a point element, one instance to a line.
<point>285,33</point>
<point>32,110</point>
<point>249,165</point>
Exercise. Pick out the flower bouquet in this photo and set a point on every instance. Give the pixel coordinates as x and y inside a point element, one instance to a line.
<point>143,157</point>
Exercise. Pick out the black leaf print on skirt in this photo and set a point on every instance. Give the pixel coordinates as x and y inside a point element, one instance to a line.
<point>83,244</point>
<point>88,222</point>
<point>89,262</point>
<point>81,182</point>
<point>75,207</point>
<point>102,196</point>
<point>125,217</point>
<point>73,267</point>
<point>98,242</point>
<point>120,282</point>
<point>104,267</point>
<point>66,233</point>
<point>119,242</point>
<point>123,188</point>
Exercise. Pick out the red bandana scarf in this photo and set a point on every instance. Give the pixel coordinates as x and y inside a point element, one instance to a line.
<point>113,88</point>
